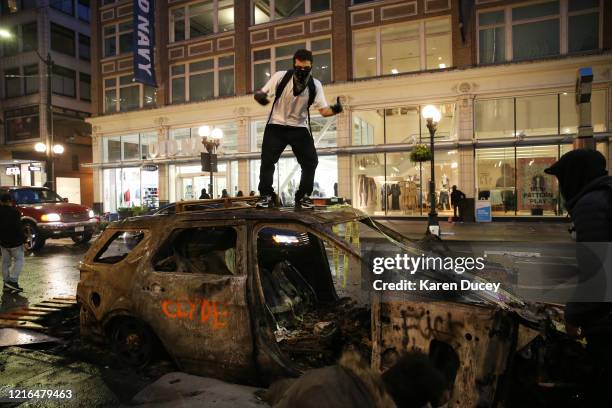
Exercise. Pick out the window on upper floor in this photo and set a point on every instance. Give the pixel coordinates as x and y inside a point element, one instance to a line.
<point>65,6</point>
<point>31,79</point>
<point>21,124</point>
<point>84,86</point>
<point>264,11</point>
<point>24,38</point>
<point>122,94</point>
<point>13,6</point>
<point>202,80</point>
<point>266,61</point>
<point>64,81</point>
<point>29,37</point>
<point>12,83</point>
<point>62,40</point>
<point>530,31</point>
<point>118,38</point>
<point>397,48</point>
<point>201,18</point>
<point>84,10</point>
<point>84,47</point>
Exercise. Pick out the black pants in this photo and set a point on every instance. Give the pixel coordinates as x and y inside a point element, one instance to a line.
<point>276,138</point>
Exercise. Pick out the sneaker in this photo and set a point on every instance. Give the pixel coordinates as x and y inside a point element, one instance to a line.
<point>304,202</point>
<point>266,201</point>
<point>13,286</point>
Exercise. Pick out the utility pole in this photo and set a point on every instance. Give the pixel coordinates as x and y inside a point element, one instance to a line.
<point>49,139</point>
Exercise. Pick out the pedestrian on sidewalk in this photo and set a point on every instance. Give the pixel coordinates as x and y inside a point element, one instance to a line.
<point>587,189</point>
<point>12,241</point>
<point>294,91</point>
<point>456,196</point>
<point>204,195</point>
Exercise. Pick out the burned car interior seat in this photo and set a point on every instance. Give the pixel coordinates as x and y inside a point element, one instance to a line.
<point>206,250</point>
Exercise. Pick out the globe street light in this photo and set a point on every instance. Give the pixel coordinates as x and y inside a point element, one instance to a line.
<point>432,115</point>
<point>40,147</point>
<point>211,139</point>
<point>58,149</point>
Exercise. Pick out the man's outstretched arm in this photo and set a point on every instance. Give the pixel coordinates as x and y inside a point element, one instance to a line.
<point>331,110</point>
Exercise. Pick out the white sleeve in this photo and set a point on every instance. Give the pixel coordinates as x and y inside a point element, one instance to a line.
<point>320,102</point>
<point>270,86</point>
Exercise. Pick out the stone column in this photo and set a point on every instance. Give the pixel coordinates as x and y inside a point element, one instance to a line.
<point>98,180</point>
<point>163,174</point>
<point>465,123</point>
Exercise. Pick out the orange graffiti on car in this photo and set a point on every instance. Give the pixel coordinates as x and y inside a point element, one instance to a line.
<point>210,311</point>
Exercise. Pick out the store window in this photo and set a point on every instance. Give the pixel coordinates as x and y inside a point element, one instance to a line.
<point>532,30</point>
<point>496,179</point>
<point>122,94</point>
<point>536,115</point>
<point>287,177</point>
<point>494,118</point>
<point>266,61</point>
<point>264,11</point>
<point>130,187</point>
<point>128,147</point>
<point>202,80</point>
<point>402,125</point>
<point>10,48</point>
<point>200,19</point>
<point>324,132</point>
<point>13,6</point>
<point>62,40</point>
<point>394,49</point>
<point>21,124</point>
<point>118,38</point>
<point>514,179</point>
<point>64,81</point>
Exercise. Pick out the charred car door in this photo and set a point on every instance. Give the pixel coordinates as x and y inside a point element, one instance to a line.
<point>193,295</point>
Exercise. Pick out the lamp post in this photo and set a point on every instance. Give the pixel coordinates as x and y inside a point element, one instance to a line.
<point>211,139</point>
<point>432,115</point>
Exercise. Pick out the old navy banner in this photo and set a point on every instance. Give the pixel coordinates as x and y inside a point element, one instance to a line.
<point>144,42</point>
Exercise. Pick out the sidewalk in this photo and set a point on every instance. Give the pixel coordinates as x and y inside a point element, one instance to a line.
<point>494,231</point>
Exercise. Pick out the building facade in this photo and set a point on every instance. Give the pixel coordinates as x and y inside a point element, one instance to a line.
<point>501,72</point>
<point>38,29</point>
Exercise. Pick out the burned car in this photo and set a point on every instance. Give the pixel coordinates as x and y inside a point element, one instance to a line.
<point>253,295</point>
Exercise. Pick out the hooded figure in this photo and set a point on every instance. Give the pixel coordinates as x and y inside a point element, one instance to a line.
<point>587,189</point>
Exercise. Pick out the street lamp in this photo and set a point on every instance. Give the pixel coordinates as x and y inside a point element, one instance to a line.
<point>432,115</point>
<point>211,139</point>
<point>5,34</point>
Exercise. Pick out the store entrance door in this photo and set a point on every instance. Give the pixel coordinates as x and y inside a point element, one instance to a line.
<point>190,186</point>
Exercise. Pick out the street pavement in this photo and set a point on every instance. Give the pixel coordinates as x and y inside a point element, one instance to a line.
<point>50,272</point>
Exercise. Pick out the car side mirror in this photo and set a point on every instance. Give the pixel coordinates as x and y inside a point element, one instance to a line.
<point>65,200</point>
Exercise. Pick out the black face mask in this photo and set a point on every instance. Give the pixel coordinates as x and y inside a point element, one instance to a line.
<point>300,79</point>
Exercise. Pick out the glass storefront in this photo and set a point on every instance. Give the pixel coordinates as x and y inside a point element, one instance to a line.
<point>287,178</point>
<point>513,179</point>
<point>130,187</point>
<point>187,181</point>
<point>536,115</point>
<point>391,184</point>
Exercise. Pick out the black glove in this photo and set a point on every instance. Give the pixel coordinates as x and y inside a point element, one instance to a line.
<point>262,98</point>
<point>337,107</point>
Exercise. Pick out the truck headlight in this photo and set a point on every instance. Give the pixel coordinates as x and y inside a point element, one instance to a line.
<point>52,217</point>
<point>91,214</point>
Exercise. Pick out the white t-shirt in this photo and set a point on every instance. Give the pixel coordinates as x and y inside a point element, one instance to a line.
<point>290,110</point>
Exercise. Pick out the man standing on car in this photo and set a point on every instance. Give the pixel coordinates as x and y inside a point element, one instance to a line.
<point>12,239</point>
<point>294,91</point>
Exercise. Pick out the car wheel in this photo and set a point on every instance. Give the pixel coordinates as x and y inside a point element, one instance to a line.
<point>133,342</point>
<point>82,239</point>
<point>34,241</point>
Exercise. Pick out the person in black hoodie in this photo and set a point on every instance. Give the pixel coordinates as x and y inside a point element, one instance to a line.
<point>12,239</point>
<point>586,187</point>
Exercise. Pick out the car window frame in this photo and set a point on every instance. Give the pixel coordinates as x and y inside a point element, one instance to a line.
<point>241,265</point>
<point>113,233</point>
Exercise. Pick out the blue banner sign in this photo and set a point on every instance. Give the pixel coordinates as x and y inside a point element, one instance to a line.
<point>144,42</point>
